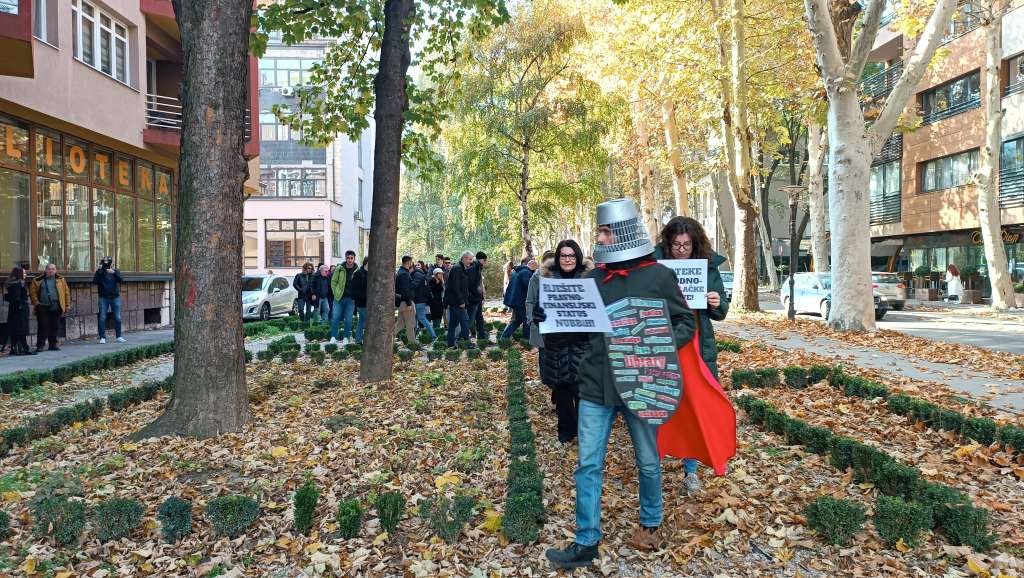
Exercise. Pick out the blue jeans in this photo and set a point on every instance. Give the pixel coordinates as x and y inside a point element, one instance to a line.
<point>361,326</point>
<point>690,466</point>
<point>518,319</point>
<point>421,318</point>
<point>324,309</point>
<point>595,425</point>
<point>457,318</point>
<point>343,309</point>
<point>107,303</point>
<point>306,309</point>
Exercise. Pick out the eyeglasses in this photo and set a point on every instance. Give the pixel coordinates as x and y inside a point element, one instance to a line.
<point>568,256</point>
<point>682,246</point>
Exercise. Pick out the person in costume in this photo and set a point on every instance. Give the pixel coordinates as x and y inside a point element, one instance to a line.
<point>626,270</point>
<point>684,238</point>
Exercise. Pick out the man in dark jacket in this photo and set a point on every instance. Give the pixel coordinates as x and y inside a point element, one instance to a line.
<point>627,273</point>
<point>421,297</point>
<point>405,298</point>
<point>344,304</point>
<point>303,283</point>
<point>456,297</point>
<point>322,290</point>
<point>108,281</point>
<point>515,299</point>
<point>477,295</point>
<point>357,290</point>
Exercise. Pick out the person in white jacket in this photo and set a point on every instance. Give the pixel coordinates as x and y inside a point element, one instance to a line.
<point>954,286</point>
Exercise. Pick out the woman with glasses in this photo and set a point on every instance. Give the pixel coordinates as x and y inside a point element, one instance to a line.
<point>684,238</point>
<point>561,353</point>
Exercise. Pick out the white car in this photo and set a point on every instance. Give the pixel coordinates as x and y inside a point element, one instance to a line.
<point>264,296</point>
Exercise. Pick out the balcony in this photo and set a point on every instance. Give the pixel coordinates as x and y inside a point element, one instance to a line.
<point>1011,189</point>
<point>886,209</point>
<point>882,83</point>
<point>892,150</point>
<point>965,20</point>
<point>1014,88</point>
<point>954,110</point>
<point>164,113</point>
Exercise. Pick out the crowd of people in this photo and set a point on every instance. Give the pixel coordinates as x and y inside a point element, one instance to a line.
<point>49,297</point>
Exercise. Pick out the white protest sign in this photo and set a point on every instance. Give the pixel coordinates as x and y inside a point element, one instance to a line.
<point>572,305</point>
<point>692,275</point>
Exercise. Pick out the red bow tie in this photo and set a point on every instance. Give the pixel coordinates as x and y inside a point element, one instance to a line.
<point>612,273</point>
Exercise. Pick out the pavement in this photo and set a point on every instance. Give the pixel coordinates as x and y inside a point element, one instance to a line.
<point>76,350</point>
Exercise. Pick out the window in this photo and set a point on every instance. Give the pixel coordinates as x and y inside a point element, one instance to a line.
<point>885,205</point>
<point>951,98</point>
<point>336,251</point>
<point>15,218</point>
<point>1011,174</point>
<point>359,151</point>
<point>965,19</point>
<point>147,237</point>
<point>250,259</point>
<point>285,72</point>
<point>44,21</point>
<point>76,226</point>
<point>1011,158</point>
<point>99,40</point>
<point>294,182</point>
<point>291,242</point>
<point>359,198</point>
<point>49,226</point>
<point>102,225</point>
<point>1016,66</point>
<point>947,172</point>
<point>126,233</point>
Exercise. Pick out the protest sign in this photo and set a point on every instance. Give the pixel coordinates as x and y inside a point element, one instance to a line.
<point>572,305</point>
<point>692,275</point>
<point>644,359</point>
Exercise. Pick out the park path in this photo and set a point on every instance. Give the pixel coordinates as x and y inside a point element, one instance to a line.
<point>1000,393</point>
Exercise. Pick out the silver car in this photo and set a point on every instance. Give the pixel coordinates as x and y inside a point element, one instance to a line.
<point>727,281</point>
<point>892,287</point>
<point>264,296</point>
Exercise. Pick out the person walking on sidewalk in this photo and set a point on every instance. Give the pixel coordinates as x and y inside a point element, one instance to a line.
<point>954,286</point>
<point>18,307</point>
<point>456,296</point>
<point>405,297</point>
<point>515,299</point>
<point>421,298</point>
<point>477,295</point>
<point>626,271</point>
<point>51,297</point>
<point>107,280</point>
<point>356,289</point>
<point>684,238</point>
<point>436,301</point>
<point>303,283</point>
<point>344,304</point>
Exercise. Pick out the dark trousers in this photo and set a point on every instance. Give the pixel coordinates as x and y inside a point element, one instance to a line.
<point>477,318</point>
<point>518,320</point>
<point>3,336</point>
<point>567,400</point>
<point>457,320</point>
<point>47,324</point>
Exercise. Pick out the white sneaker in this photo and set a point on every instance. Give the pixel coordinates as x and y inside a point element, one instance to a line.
<point>121,340</point>
<point>691,485</point>
<point>344,342</point>
<point>333,340</point>
<point>103,340</point>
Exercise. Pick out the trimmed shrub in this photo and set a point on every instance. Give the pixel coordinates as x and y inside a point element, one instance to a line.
<point>447,517</point>
<point>494,354</point>
<point>795,376</point>
<point>322,384</point>
<point>948,419</point>
<point>980,429</point>
<point>896,519</point>
<point>289,356</point>
<point>304,502</point>
<point>473,354</point>
<point>116,518</point>
<point>248,356</point>
<point>967,525</point>
<point>390,507</point>
<point>311,347</point>
<point>349,518</point>
<point>5,524</point>
<point>405,354</point>
<point>900,404</point>
<point>895,479</point>
<point>433,355</point>
<point>728,345</point>
<point>439,345</point>
<point>265,355</point>
<point>938,498</point>
<point>318,357</point>
<point>817,440</point>
<point>504,343</point>
<point>340,355</point>
<point>842,452</point>
<point>175,516</point>
<point>59,517</point>
<point>836,520</point>
<point>923,411</point>
<point>231,515</point>
<point>520,520</point>
<point>767,377</point>
<point>453,354</point>
<point>330,348</point>
<point>1012,436</point>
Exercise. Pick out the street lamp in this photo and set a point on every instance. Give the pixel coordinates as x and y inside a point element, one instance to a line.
<point>793,193</point>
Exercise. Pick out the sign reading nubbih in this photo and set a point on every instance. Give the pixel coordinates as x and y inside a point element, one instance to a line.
<point>645,363</point>
<point>692,276</point>
<point>572,305</point>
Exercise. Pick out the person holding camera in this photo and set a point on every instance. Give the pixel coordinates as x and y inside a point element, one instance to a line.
<point>108,279</point>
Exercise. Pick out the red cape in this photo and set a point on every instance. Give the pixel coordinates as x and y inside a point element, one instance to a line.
<point>704,425</point>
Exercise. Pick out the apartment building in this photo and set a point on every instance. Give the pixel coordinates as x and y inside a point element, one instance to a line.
<point>90,127</point>
<point>923,205</point>
<point>313,203</point>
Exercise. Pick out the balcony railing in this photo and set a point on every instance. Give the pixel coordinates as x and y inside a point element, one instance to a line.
<point>887,18</point>
<point>1011,189</point>
<point>892,150</point>
<point>1014,88</point>
<point>951,111</point>
<point>165,112</point>
<point>882,83</point>
<point>885,209</point>
<point>965,20</point>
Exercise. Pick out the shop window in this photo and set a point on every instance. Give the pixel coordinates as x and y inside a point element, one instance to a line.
<point>125,258</point>
<point>164,241</point>
<point>102,225</point>
<point>49,224</point>
<point>76,227</point>
<point>13,143</point>
<point>48,153</point>
<point>147,235</point>
<point>15,219</point>
<point>102,167</point>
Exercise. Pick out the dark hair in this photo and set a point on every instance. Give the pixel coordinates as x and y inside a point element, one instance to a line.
<point>481,255</point>
<point>365,261</point>
<point>350,252</point>
<point>447,258</point>
<point>406,259</point>
<point>438,256</point>
<point>575,249</point>
<point>524,260</point>
<point>685,225</point>
<point>16,274</point>
<point>307,264</point>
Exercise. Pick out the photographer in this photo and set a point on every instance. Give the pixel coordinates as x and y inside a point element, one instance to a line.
<point>108,281</point>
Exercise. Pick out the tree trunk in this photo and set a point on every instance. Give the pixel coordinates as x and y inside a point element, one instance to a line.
<point>210,395</point>
<point>988,202</point>
<point>764,233</point>
<point>668,115</point>
<point>816,195</point>
<point>390,92</point>
<point>645,172</point>
<point>524,197</point>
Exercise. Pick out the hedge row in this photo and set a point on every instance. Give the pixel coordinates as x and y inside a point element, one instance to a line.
<point>524,507</point>
<point>980,429</point>
<point>950,511</point>
<point>43,425</point>
<point>19,380</point>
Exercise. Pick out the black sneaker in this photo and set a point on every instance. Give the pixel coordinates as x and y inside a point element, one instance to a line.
<point>575,556</point>
<point>54,348</point>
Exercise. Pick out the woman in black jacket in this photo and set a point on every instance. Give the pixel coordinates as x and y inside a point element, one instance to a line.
<point>436,301</point>
<point>560,357</point>
<point>358,293</point>
<point>16,295</point>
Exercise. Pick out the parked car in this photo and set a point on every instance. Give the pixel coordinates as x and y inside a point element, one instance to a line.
<point>812,293</point>
<point>892,287</point>
<point>264,296</point>
<point>727,281</point>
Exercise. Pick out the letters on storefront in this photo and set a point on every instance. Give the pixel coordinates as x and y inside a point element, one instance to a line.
<point>1009,238</point>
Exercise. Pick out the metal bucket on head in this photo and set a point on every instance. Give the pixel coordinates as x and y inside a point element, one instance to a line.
<point>631,239</point>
